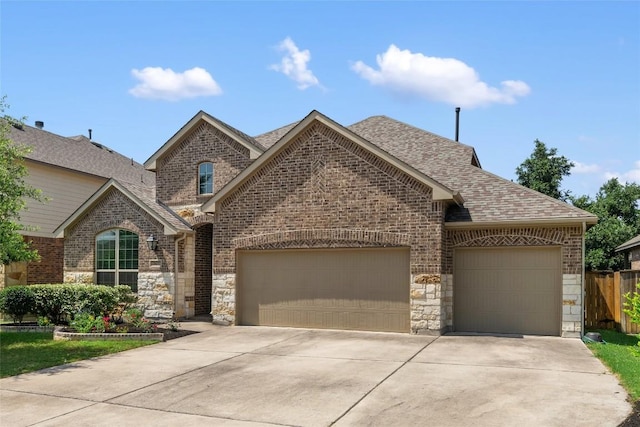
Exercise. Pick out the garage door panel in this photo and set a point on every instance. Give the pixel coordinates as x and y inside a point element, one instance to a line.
<point>365,289</point>
<point>508,290</point>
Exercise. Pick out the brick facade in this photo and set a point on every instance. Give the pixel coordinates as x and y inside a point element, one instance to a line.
<point>177,172</point>
<point>203,269</point>
<point>50,267</point>
<point>351,198</point>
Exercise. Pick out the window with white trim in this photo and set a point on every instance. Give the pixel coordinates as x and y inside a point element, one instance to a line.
<point>117,258</point>
<point>205,178</point>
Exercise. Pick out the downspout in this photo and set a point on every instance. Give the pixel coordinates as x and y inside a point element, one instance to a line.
<point>175,269</point>
<point>584,231</point>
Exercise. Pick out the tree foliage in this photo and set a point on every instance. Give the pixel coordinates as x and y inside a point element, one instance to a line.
<point>14,191</point>
<point>616,206</point>
<point>543,171</point>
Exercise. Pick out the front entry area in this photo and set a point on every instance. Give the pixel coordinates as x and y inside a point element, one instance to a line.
<point>355,289</point>
<point>515,290</point>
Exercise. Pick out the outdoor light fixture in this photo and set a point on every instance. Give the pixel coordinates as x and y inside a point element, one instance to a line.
<point>152,243</point>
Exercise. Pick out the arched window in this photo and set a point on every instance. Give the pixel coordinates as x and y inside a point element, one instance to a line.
<point>117,258</point>
<point>205,178</point>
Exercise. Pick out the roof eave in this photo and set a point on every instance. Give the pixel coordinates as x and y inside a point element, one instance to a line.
<point>546,222</point>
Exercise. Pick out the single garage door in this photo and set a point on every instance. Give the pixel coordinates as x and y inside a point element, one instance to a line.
<point>508,290</point>
<point>357,289</point>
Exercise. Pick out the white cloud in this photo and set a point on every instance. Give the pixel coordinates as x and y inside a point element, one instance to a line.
<point>632,175</point>
<point>580,168</point>
<point>294,65</point>
<point>437,79</point>
<point>166,84</point>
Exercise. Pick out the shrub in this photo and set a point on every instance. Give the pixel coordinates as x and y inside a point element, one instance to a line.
<point>55,302</point>
<point>632,305</point>
<point>16,301</point>
<point>95,299</point>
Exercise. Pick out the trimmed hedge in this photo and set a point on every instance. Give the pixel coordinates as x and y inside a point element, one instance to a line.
<point>60,302</point>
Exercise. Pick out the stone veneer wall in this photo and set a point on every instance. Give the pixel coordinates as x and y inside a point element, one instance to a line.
<point>568,238</point>
<point>156,281</point>
<point>324,191</point>
<point>177,171</point>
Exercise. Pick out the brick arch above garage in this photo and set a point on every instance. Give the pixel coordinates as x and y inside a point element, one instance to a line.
<point>569,238</point>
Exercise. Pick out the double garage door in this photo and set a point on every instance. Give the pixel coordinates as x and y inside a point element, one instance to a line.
<point>508,290</point>
<point>499,290</point>
<point>357,289</point>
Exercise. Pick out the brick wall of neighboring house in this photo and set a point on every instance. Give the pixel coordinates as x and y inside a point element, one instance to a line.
<point>341,194</point>
<point>177,171</point>
<point>50,267</point>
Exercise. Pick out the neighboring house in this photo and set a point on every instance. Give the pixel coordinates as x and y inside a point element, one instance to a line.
<point>376,226</point>
<point>631,251</point>
<point>68,171</point>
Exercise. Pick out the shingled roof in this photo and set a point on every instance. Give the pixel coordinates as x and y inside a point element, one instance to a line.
<point>143,196</point>
<point>79,154</point>
<point>488,198</point>
<point>269,138</point>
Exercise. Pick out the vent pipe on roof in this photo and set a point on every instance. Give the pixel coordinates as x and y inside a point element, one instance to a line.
<point>457,122</point>
<point>90,131</point>
<point>39,124</point>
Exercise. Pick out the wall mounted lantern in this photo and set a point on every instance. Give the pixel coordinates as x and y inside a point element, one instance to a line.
<point>152,243</point>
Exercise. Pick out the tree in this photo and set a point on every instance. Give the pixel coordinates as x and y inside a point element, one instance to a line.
<point>616,206</point>
<point>13,193</point>
<point>543,171</point>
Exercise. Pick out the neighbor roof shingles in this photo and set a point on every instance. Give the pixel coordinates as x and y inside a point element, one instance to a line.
<point>79,154</point>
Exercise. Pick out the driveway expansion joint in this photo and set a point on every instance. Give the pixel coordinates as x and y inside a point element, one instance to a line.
<point>382,381</point>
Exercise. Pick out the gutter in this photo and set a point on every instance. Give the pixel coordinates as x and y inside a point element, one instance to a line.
<point>175,269</point>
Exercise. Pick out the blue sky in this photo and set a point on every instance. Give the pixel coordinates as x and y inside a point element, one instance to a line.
<point>567,73</point>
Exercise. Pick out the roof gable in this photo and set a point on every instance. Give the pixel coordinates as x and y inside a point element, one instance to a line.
<point>254,147</point>
<point>141,196</point>
<point>440,192</point>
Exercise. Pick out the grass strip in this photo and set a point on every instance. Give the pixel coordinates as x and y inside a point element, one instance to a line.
<point>622,355</point>
<point>22,352</point>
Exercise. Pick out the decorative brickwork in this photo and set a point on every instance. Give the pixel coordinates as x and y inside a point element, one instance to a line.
<point>177,172</point>
<point>569,238</point>
<point>366,202</point>
<point>331,238</point>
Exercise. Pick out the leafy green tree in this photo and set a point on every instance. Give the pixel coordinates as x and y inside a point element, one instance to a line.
<point>616,206</point>
<point>14,191</point>
<point>543,171</point>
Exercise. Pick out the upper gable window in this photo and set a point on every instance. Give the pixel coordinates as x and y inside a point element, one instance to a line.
<point>205,178</point>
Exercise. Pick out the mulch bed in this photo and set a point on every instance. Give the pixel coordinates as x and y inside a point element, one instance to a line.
<point>633,420</point>
<point>170,335</point>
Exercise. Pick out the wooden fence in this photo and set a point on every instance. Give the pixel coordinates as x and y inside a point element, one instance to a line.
<point>604,300</point>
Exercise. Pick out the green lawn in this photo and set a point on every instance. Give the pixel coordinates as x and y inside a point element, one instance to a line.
<point>622,355</point>
<point>22,352</point>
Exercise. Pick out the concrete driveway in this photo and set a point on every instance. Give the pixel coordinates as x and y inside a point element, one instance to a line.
<point>251,376</point>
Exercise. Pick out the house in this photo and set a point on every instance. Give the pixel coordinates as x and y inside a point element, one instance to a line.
<point>68,171</point>
<point>631,251</point>
<point>375,226</point>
